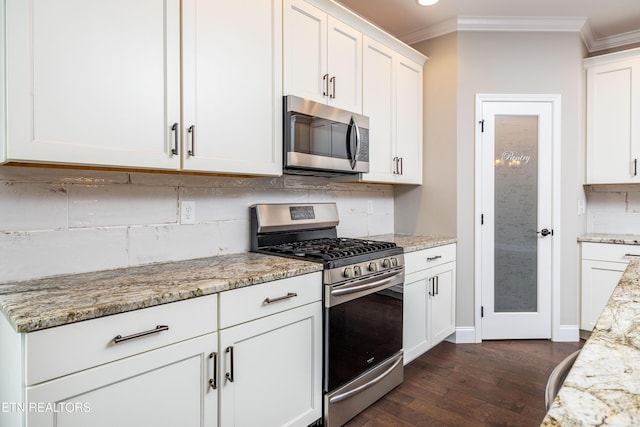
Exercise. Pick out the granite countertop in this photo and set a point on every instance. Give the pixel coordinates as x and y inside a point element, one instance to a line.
<point>54,301</point>
<point>412,243</point>
<point>623,239</point>
<point>603,386</point>
<point>43,303</point>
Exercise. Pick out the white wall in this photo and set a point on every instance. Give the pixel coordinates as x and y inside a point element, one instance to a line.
<point>526,63</point>
<point>430,208</point>
<point>512,63</point>
<point>613,209</point>
<point>59,221</point>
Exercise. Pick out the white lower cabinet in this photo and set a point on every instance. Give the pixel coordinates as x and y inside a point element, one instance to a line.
<point>429,299</point>
<point>154,366</point>
<point>271,363</point>
<point>602,267</point>
<point>245,357</point>
<point>165,387</point>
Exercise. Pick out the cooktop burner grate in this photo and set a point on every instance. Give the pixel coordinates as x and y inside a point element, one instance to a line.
<point>329,249</point>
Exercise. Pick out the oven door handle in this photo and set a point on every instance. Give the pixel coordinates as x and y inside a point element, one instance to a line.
<point>348,394</point>
<point>367,286</point>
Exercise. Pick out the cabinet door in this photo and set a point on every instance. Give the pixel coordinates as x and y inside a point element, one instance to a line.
<point>409,121</point>
<point>378,102</point>
<point>344,64</point>
<point>443,303</point>
<point>599,279</point>
<point>166,387</point>
<point>89,84</point>
<point>613,114</point>
<point>271,370</point>
<point>415,334</point>
<point>305,51</point>
<point>232,86</point>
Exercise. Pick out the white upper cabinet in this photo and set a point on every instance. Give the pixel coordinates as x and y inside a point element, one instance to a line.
<point>409,122</point>
<point>392,98</point>
<point>99,83</point>
<point>93,82</point>
<point>232,86</point>
<point>322,57</point>
<point>613,118</point>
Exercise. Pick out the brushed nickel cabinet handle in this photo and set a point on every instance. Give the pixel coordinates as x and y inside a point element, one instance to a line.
<point>332,94</point>
<point>213,381</point>
<point>433,258</point>
<point>229,375</point>
<point>119,338</point>
<point>282,298</point>
<point>174,128</point>
<point>192,132</point>
<point>325,85</point>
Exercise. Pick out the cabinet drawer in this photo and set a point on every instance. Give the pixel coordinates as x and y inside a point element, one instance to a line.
<point>55,352</point>
<point>609,252</point>
<point>427,258</point>
<point>245,304</point>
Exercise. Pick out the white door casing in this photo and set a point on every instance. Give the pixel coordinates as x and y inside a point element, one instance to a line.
<point>543,321</point>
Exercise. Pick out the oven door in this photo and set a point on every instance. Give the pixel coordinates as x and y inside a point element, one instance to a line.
<point>363,326</point>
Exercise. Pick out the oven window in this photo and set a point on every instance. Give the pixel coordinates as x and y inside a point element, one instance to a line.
<point>362,333</point>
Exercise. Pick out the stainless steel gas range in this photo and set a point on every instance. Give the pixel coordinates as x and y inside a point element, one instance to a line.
<point>363,298</point>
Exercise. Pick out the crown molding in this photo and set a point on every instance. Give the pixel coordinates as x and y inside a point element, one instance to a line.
<point>594,44</point>
<point>446,27</point>
<point>530,24</point>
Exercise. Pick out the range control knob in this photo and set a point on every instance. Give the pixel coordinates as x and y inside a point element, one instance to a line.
<point>357,271</point>
<point>373,266</point>
<point>348,272</point>
<point>394,262</point>
<point>386,263</point>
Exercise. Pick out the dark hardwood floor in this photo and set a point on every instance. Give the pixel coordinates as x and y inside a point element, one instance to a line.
<point>495,383</point>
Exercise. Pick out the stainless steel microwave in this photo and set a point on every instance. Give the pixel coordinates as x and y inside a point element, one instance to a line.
<point>323,140</point>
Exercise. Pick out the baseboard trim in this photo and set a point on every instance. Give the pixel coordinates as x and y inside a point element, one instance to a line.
<point>467,334</point>
<point>567,333</point>
<point>463,335</point>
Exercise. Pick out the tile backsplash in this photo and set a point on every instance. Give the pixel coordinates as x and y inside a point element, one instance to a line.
<point>613,209</point>
<point>60,221</point>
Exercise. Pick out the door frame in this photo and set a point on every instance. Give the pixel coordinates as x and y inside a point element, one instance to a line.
<point>556,145</point>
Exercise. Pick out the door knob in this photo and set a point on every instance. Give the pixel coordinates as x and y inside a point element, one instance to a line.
<point>545,232</point>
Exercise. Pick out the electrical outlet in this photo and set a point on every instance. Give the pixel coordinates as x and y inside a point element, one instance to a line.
<point>581,206</point>
<point>188,212</point>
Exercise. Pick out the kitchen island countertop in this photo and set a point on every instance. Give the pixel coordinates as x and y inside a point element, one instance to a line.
<point>603,386</point>
<point>42,303</point>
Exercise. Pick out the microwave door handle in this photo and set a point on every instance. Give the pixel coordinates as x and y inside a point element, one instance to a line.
<point>353,125</point>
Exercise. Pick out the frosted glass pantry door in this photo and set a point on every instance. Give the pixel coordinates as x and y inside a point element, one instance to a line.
<point>516,229</point>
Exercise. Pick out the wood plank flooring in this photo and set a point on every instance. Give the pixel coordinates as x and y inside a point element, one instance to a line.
<point>495,383</point>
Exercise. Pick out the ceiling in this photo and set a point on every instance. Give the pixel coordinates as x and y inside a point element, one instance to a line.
<point>603,23</point>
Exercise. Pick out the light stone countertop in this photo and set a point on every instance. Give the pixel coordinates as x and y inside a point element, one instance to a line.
<point>412,243</point>
<point>623,239</point>
<point>603,386</point>
<point>43,303</point>
<point>54,301</point>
